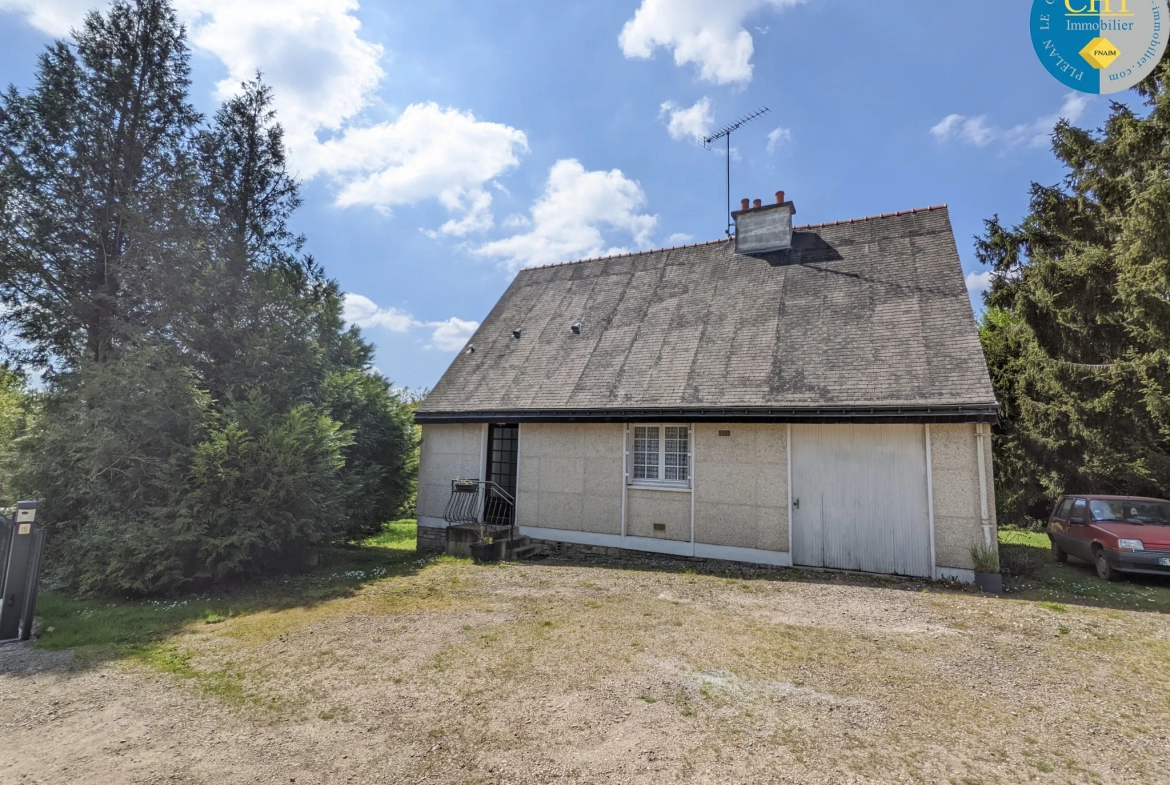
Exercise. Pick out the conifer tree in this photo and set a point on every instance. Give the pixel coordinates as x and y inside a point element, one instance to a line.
<point>1077,324</point>
<point>95,185</point>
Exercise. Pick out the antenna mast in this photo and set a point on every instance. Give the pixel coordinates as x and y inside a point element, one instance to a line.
<point>725,133</point>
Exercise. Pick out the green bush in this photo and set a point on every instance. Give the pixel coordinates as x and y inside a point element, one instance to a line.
<point>107,459</point>
<point>378,466</point>
<point>262,490</point>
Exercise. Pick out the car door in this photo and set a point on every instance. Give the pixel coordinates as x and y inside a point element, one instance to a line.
<point>1080,536</point>
<point>1058,524</point>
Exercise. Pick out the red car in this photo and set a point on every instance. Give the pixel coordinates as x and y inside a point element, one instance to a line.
<point>1116,533</point>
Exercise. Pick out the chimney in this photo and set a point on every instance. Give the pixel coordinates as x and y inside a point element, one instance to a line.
<point>763,229</point>
<point>743,203</point>
<point>757,204</point>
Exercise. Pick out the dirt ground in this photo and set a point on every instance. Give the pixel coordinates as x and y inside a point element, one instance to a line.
<point>603,672</point>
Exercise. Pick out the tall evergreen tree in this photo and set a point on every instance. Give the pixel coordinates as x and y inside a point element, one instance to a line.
<point>210,416</point>
<point>95,184</point>
<point>1077,325</point>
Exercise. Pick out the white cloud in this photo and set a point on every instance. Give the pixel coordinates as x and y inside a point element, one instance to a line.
<point>365,313</point>
<point>428,152</point>
<point>976,130</point>
<point>688,123</point>
<point>710,35</point>
<point>55,17</point>
<point>568,218</point>
<point>325,78</point>
<point>446,336</point>
<point>973,130</point>
<point>451,335</point>
<point>517,221</point>
<point>778,137</point>
<point>978,283</point>
<point>1039,133</point>
<point>680,238</point>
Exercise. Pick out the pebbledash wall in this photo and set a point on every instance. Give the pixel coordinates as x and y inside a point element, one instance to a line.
<point>570,489</point>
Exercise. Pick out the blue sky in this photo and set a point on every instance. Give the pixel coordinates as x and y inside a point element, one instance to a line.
<point>444,145</point>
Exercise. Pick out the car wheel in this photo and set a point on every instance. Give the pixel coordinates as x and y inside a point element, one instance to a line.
<point>1104,568</point>
<point>1058,553</point>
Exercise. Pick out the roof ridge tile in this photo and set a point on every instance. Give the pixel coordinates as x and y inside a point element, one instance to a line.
<point>729,239</point>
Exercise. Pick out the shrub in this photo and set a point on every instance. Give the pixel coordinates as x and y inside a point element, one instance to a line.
<point>263,489</point>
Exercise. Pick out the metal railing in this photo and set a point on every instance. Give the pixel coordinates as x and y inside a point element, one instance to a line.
<point>480,502</point>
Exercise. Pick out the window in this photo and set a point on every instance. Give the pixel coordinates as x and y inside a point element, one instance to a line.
<point>1079,512</point>
<point>1065,509</point>
<point>661,455</point>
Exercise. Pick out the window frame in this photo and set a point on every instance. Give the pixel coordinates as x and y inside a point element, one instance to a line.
<point>660,483</point>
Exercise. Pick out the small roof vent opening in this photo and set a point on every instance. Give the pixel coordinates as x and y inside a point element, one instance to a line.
<point>471,348</point>
<point>516,333</point>
<point>576,328</point>
<point>763,228</point>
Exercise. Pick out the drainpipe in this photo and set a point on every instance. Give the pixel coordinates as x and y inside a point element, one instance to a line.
<point>625,473</point>
<point>983,512</point>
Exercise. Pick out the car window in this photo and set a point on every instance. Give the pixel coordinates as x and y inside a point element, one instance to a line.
<point>1079,512</point>
<point>1107,511</point>
<point>1063,510</point>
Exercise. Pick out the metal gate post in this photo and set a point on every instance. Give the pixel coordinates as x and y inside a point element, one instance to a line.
<point>22,572</point>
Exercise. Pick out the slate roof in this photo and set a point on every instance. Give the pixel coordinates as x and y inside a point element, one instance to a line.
<point>866,319</point>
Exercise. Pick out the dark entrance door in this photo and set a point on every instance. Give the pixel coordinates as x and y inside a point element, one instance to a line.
<point>502,456</point>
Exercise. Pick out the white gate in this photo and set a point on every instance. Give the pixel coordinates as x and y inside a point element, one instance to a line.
<point>859,498</point>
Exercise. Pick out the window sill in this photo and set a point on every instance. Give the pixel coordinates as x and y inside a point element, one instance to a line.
<point>646,486</point>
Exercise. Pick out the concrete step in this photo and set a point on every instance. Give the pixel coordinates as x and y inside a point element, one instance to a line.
<point>523,552</point>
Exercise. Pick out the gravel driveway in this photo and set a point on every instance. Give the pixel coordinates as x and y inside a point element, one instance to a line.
<point>612,672</point>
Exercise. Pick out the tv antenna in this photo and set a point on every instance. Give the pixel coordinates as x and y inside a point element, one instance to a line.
<point>725,133</point>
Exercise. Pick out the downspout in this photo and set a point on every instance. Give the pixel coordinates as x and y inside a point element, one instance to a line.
<point>692,461</point>
<point>625,474</point>
<point>985,517</point>
<point>930,503</point>
<point>788,479</point>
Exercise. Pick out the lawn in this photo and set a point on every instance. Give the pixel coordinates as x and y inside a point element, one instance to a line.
<point>1043,578</point>
<point>385,667</point>
<point>115,629</point>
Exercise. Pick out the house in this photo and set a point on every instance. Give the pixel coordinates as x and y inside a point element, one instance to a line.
<point>813,396</point>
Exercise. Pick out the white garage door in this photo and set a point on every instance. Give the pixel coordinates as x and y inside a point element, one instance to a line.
<point>859,498</point>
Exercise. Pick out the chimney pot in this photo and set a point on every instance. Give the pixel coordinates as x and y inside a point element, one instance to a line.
<point>743,204</point>
<point>779,197</point>
<point>757,204</point>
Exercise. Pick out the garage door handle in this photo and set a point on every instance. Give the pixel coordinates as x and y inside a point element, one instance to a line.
<point>796,503</point>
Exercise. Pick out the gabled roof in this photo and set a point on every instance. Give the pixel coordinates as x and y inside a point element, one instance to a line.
<point>861,320</point>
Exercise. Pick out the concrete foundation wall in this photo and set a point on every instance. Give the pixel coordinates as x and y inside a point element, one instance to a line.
<point>448,452</point>
<point>570,477</point>
<point>741,486</point>
<point>955,486</point>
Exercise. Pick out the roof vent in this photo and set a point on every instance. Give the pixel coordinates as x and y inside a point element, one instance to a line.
<point>576,328</point>
<point>761,229</point>
<point>515,333</point>
<point>471,348</point>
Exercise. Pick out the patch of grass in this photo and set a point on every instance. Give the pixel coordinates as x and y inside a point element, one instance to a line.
<point>648,698</point>
<point>396,535</point>
<point>113,628</point>
<point>225,684</point>
<point>1074,583</point>
<point>1055,607</point>
<point>1022,552</point>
